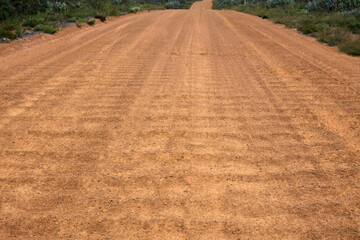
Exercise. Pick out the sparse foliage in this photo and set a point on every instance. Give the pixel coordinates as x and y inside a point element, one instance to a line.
<point>336,23</point>
<point>51,29</point>
<point>44,15</point>
<point>91,22</point>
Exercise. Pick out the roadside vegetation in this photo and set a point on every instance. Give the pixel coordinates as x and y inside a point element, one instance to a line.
<point>21,17</point>
<point>336,23</point>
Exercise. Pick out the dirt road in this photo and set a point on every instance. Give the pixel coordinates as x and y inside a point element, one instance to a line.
<point>179,124</point>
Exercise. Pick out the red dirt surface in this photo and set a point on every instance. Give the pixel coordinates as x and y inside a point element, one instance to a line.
<point>179,124</point>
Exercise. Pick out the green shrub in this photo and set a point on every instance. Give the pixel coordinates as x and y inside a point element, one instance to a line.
<point>19,30</point>
<point>354,26</point>
<point>91,22</point>
<point>7,34</point>
<point>6,10</point>
<point>135,9</point>
<point>173,4</point>
<point>333,28</point>
<point>333,36</point>
<point>351,47</point>
<point>275,3</point>
<point>307,29</point>
<point>82,20</point>
<point>51,29</point>
<point>114,12</point>
<point>56,7</point>
<point>304,11</point>
<point>332,5</point>
<point>101,17</point>
<point>7,26</point>
<point>32,21</point>
<point>10,30</point>
<point>71,19</point>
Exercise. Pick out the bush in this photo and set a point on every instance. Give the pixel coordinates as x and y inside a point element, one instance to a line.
<point>7,26</point>
<point>51,29</point>
<point>91,22</point>
<point>304,11</point>
<point>101,17</point>
<point>351,47</point>
<point>114,12</point>
<point>19,30</point>
<point>32,21</point>
<point>71,19</point>
<point>135,9</point>
<point>354,26</point>
<point>332,5</point>
<point>6,9</point>
<point>307,29</point>
<point>333,28</point>
<point>333,37</point>
<point>172,5</point>
<point>81,20</point>
<point>275,3</point>
<point>10,30</point>
<point>56,7</point>
<point>24,7</point>
<point>7,34</point>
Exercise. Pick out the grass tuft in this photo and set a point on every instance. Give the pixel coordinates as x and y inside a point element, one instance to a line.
<point>91,22</point>
<point>32,21</point>
<point>50,29</point>
<point>307,29</point>
<point>351,47</point>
